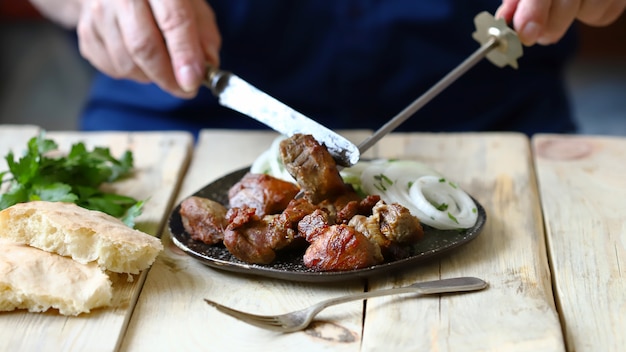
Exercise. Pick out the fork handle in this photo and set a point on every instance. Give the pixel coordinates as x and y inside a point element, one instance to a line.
<point>458,284</point>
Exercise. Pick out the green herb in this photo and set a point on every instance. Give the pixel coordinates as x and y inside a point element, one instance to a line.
<point>452,218</point>
<point>74,178</point>
<point>442,207</point>
<point>382,179</point>
<point>452,184</point>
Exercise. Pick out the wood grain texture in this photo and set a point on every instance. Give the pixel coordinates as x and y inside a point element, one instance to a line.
<point>516,312</point>
<point>163,308</point>
<point>160,160</point>
<point>583,187</point>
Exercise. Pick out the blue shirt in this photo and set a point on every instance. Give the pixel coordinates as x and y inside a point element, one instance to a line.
<point>355,64</point>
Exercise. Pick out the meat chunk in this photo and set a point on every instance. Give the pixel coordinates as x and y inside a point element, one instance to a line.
<point>265,193</point>
<point>353,208</point>
<point>313,225</point>
<point>313,168</point>
<point>366,205</point>
<point>397,223</point>
<point>256,239</point>
<point>340,247</point>
<point>391,227</point>
<point>370,227</point>
<point>284,226</point>
<point>347,212</point>
<point>340,230</point>
<point>247,236</point>
<point>203,219</point>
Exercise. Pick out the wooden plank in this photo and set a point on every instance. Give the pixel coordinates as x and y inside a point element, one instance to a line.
<point>582,180</point>
<point>160,161</point>
<point>171,313</point>
<point>516,312</point>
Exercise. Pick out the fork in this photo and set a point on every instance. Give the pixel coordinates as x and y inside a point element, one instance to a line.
<point>300,319</point>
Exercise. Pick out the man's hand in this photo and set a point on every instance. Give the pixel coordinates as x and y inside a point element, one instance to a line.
<point>167,42</point>
<point>546,21</point>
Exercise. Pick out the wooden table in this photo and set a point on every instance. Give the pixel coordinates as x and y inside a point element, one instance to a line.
<point>552,250</point>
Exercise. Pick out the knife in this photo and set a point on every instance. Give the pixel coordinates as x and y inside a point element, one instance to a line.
<point>499,44</point>
<point>239,95</point>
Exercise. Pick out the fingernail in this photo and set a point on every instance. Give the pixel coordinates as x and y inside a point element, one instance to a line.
<point>189,78</point>
<point>544,41</point>
<point>530,32</point>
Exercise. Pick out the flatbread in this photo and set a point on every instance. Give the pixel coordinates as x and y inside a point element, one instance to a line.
<point>84,235</point>
<point>37,280</point>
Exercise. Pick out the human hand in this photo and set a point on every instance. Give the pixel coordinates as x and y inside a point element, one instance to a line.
<point>167,42</point>
<point>546,21</point>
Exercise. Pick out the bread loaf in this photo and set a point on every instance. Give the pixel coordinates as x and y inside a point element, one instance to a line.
<point>82,234</point>
<point>37,280</point>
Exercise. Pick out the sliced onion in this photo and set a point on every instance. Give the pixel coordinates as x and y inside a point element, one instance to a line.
<point>443,204</point>
<point>427,194</point>
<point>424,191</point>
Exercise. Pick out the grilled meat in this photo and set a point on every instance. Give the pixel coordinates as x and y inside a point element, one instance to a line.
<point>313,224</point>
<point>247,236</point>
<point>203,219</point>
<point>285,224</point>
<point>266,194</point>
<point>391,227</point>
<point>340,230</point>
<point>314,169</point>
<point>341,247</point>
<point>397,223</point>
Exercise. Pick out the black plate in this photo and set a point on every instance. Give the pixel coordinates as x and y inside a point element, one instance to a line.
<point>289,265</point>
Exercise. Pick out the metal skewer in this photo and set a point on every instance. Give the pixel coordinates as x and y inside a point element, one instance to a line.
<point>499,44</point>
<point>492,34</point>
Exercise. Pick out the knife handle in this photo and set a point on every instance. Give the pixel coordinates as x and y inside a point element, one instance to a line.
<point>216,79</point>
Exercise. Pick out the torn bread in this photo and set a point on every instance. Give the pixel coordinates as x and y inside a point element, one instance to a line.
<point>85,235</point>
<point>37,280</point>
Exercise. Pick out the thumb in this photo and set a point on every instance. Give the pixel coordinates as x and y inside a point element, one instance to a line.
<point>178,26</point>
<point>506,10</point>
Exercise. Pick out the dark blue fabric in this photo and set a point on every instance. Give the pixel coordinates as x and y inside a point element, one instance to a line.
<point>355,64</point>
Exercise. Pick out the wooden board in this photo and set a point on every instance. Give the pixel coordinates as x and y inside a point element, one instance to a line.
<point>160,161</point>
<point>583,191</point>
<point>516,312</point>
<point>171,313</point>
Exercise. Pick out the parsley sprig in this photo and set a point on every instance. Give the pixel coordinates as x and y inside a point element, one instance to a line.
<point>76,177</point>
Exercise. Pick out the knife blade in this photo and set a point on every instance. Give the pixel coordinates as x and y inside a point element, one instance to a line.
<point>239,95</point>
